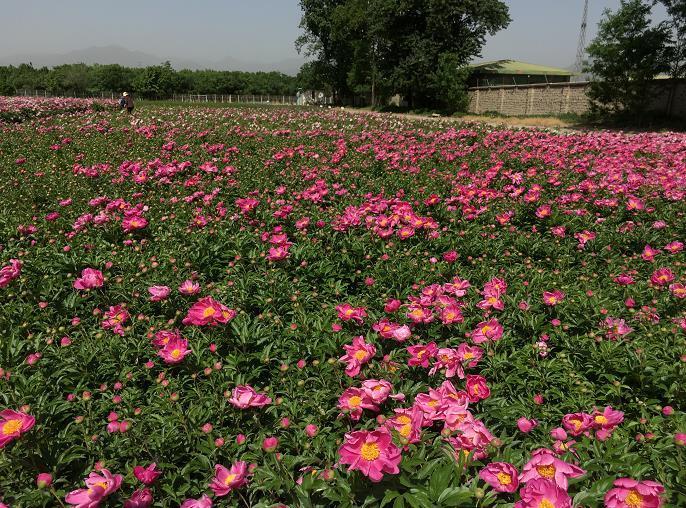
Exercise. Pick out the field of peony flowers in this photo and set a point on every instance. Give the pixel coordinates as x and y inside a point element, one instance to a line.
<point>307,308</point>
<point>18,109</point>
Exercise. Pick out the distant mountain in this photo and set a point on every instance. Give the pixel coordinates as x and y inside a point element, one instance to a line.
<point>128,58</point>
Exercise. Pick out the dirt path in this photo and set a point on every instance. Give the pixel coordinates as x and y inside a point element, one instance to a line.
<point>554,124</point>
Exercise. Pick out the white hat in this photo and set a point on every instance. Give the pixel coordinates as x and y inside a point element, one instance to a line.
<point>125,94</point>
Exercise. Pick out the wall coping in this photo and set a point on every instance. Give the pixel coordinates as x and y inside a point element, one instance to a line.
<point>577,84</point>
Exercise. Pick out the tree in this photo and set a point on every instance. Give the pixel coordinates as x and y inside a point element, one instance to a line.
<point>450,82</point>
<point>155,82</point>
<point>397,46</point>
<point>626,55</point>
<point>112,78</point>
<point>676,10</point>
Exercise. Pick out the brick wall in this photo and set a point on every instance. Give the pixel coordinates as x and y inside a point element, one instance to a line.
<point>561,98</point>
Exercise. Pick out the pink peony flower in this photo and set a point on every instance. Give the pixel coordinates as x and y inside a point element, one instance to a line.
<point>225,480</point>
<point>203,502</point>
<point>407,423</point>
<point>503,477</point>
<point>678,290</point>
<point>391,305</point>
<point>245,396</point>
<point>269,444</point>
<point>98,486</point>
<point>147,475</point>
<point>486,331</point>
<point>577,423</point>
<point>421,355</point>
<point>377,390</point>
<point>188,287</point>
<point>662,277</point>
<point>208,311</point>
<point>134,223</point>
<point>545,464</point>
<point>552,298</point>
<point>608,419</point>
<point>476,388</point>
<point>115,318</point>
<point>541,493</point>
<point>90,279</point>
<point>526,425</point>
<point>86,498</point>
<point>347,312</point>
<point>141,498</point>
<point>10,272</point>
<point>372,453</point>
<point>616,328</point>
<point>356,355</point>
<point>630,493</point>
<point>13,424</point>
<point>159,293</point>
<point>43,480</point>
<point>355,400</point>
<point>174,351</point>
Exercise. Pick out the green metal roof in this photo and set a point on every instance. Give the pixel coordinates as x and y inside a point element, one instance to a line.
<point>517,67</point>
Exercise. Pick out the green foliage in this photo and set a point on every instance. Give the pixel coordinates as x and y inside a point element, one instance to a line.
<point>450,82</point>
<point>626,55</point>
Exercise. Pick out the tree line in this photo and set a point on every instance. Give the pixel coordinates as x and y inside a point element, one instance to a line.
<point>153,82</point>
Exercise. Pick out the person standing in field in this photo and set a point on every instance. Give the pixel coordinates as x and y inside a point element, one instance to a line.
<point>126,101</point>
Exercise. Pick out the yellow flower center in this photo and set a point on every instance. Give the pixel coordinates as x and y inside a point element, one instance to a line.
<point>229,479</point>
<point>360,355</point>
<point>475,389</point>
<point>432,403</point>
<point>405,430</point>
<point>547,472</point>
<point>209,311</point>
<point>546,504</point>
<point>417,313</point>
<point>486,328</point>
<point>601,419</point>
<point>492,299</point>
<point>552,299</point>
<point>175,354</point>
<point>403,419</point>
<point>370,451</point>
<point>504,478</point>
<point>468,356</point>
<point>354,401</point>
<point>577,424</point>
<point>634,499</point>
<point>348,312</point>
<point>11,427</point>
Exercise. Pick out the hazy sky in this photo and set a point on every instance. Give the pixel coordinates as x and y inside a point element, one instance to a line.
<point>542,31</point>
